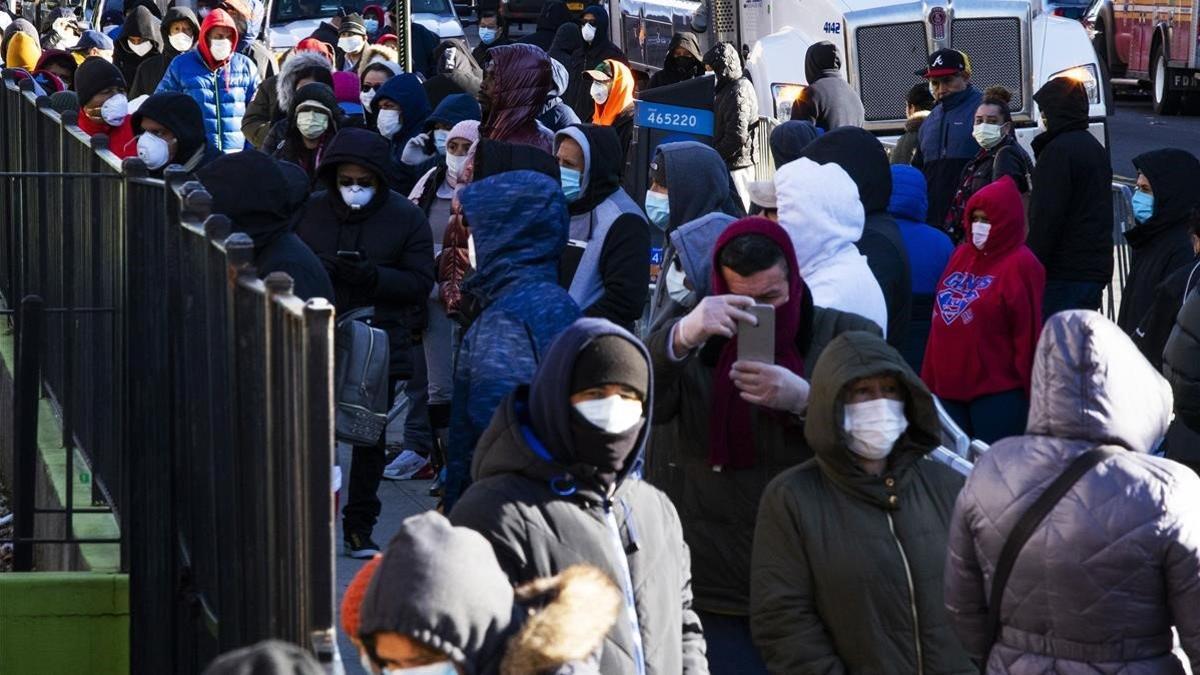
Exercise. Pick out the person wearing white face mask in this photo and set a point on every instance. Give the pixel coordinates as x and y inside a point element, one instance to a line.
<point>352,40</point>
<point>563,455</point>
<point>141,38</point>
<point>103,106</point>
<point>177,32</point>
<point>858,535</point>
<point>1000,155</point>
<point>315,119</point>
<point>172,132</point>
<point>427,148</point>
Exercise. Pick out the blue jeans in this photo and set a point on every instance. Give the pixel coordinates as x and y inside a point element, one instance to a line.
<point>1062,295</point>
<point>992,417</point>
<point>730,649</point>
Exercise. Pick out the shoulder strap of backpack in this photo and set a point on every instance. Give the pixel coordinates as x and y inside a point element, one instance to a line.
<point>1029,522</point>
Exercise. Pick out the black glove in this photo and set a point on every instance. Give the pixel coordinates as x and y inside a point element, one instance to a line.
<point>356,272</point>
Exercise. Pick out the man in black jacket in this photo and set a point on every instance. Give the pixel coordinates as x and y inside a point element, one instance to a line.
<point>378,249</point>
<point>554,14</point>
<point>1070,209</point>
<point>1181,366</point>
<point>684,61</point>
<point>1158,321</point>
<point>735,111</point>
<point>829,100</point>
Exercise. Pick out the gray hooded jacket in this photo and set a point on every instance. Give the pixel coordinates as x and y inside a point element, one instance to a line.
<point>1117,562</point>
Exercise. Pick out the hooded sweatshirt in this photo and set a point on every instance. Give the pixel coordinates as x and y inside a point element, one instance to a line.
<point>457,72</point>
<point>611,278</point>
<point>455,108</point>
<point>988,307</point>
<point>519,223</point>
<point>293,149</point>
<point>223,89</point>
<point>847,567</point>
<point>862,156</point>
<point>831,101</point>
<point>151,70</point>
<point>1070,212</point>
<point>819,208</point>
<point>677,69</point>
<point>601,48</point>
<point>405,91</point>
<point>788,140</point>
<point>538,526</point>
<point>617,109</point>
<point>180,114</point>
<point>556,115</point>
<point>142,24</point>
<point>697,182</point>
<point>513,95</point>
<point>23,52</point>
<point>689,248</point>
<point>1160,245</point>
<point>735,107</point>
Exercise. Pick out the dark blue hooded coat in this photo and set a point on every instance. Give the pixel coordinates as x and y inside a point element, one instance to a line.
<point>519,223</point>
<point>406,91</point>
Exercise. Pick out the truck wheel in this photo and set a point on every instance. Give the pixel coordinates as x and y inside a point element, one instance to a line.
<point>1166,102</point>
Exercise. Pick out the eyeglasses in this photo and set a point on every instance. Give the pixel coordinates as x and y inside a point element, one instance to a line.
<point>346,181</point>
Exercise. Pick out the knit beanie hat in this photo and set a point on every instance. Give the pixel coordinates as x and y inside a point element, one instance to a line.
<point>610,359</point>
<point>23,52</point>
<point>95,75</point>
<point>353,597</point>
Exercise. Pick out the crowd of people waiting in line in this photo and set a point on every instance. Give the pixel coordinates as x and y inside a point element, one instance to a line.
<point>621,492</point>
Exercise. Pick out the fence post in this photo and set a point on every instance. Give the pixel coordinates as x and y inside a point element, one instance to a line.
<point>26,391</point>
<point>318,409</point>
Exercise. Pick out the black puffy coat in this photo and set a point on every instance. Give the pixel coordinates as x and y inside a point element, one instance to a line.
<point>391,232</point>
<point>735,107</point>
<point>142,24</point>
<point>1160,245</point>
<point>680,68</point>
<point>151,71</point>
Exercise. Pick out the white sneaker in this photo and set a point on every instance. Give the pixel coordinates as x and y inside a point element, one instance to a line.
<point>405,466</point>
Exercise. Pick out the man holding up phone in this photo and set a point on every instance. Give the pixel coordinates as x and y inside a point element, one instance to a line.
<point>737,422</point>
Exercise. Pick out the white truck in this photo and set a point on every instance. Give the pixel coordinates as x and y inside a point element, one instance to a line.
<point>1010,42</point>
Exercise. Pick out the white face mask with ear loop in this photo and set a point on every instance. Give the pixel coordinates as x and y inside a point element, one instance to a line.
<point>220,49</point>
<point>873,427</point>
<point>114,110</point>
<point>613,415</point>
<point>677,290</point>
<point>599,92</point>
<point>979,234</point>
<point>181,42</point>
<point>142,48</point>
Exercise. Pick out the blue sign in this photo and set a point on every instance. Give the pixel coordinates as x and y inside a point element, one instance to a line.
<point>656,256</point>
<point>674,118</point>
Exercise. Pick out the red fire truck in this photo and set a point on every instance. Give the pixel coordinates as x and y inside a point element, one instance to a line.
<point>1150,44</point>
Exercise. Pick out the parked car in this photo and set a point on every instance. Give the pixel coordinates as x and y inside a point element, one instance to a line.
<point>293,20</point>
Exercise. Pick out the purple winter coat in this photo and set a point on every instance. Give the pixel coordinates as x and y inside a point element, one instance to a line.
<point>1117,562</point>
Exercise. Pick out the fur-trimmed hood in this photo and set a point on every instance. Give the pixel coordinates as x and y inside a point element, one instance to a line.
<point>285,84</point>
<point>581,606</point>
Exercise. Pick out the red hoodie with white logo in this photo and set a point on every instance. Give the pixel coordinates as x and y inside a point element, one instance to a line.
<point>987,310</point>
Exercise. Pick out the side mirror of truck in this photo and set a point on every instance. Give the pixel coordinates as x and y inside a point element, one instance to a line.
<point>699,19</point>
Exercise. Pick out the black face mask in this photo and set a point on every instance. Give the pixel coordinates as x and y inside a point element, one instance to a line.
<point>684,64</point>
<point>603,453</point>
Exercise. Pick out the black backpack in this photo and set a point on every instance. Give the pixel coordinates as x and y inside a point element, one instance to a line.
<point>360,379</point>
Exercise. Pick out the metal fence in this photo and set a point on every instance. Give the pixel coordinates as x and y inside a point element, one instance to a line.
<point>199,394</point>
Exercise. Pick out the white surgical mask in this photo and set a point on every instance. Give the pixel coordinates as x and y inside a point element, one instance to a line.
<point>142,48</point>
<point>388,123</point>
<point>154,151</point>
<point>676,289</point>
<point>455,165</point>
<point>979,234</point>
<point>220,49</point>
<point>613,415</point>
<point>440,136</point>
<point>599,92</point>
<point>114,110</point>
<point>311,123</point>
<point>589,32</point>
<point>366,97</point>
<point>351,45</point>
<point>439,668</point>
<point>180,42</point>
<point>874,426</point>
<point>356,196</point>
<point>987,135</point>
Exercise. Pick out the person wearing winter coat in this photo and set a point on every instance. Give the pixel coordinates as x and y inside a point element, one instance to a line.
<point>987,314</point>
<point>597,47</point>
<point>178,32</point>
<point>1158,321</point>
<point>945,143</point>
<point>1114,565</point>
<point>829,100</point>
<point>219,79</point>
<point>862,156</point>
<point>22,53</point>
<point>917,105</point>
<point>253,191</point>
<point>493,32</point>
<point>928,248</point>
<point>518,220</point>
<point>688,180</point>
<point>401,107</point>
<point>391,270</point>
<point>726,427</point>
<point>686,270</point>
<point>440,602</point>
<point>1168,190</point>
<point>556,115</point>
<point>567,49</point>
<point>457,73</point>
<point>789,139</point>
<point>103,106</point>
<point>1181,366</point>
<point>612,90</point>
<point>273,99</point>
<point>513,93</point>
<point>1070,214</point>
<point>1000,154</point>
<point>735,109</point>
<point>314,120</point>
<point>429,146</point>
<point>171,129</point>
<point>352,42</point>
<point>59,63</point>
<point>608,232</point>
<point>60,29</point>
<point>820,210</point>
<point>21,26</point>
<point>683,61</point>
<point>556,484</point>
<point>850,547</point>
<point>140,39</point>
<point>554,14</point>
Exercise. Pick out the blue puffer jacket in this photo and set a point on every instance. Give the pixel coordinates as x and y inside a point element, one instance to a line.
<point>945,146</point>
<point>519,221</point>
<point>223,94</point>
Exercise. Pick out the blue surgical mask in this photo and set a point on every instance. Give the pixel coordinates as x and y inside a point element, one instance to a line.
<point>439,140</point>
<point>372,25</point>
<point>1143,206</point>
<point>571,183</point>
<point>487,35</point>
<point>658,208</point>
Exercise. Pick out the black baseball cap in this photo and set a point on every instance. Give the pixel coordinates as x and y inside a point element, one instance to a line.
<point>945,62</point>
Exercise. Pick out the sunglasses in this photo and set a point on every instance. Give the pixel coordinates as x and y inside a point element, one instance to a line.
<point>346,181</point>
<point>369,87</point>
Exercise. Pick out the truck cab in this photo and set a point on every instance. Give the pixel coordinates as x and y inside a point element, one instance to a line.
<point>1010,42</point>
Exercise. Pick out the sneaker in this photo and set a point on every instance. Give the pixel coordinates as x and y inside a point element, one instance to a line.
<point>435,488</point>
<point>405,466</point>
<point>427,472</point>
<point>359,546</point>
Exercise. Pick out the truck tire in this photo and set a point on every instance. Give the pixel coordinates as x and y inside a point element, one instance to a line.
<point>1166,102</point>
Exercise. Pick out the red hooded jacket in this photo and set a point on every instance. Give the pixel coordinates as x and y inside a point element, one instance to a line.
<point>215,18</point>
<point>987,310</point>
<point>121,140</point>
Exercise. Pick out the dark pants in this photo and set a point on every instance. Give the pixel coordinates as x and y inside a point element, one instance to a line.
<point>418,436</point>
<point>366,469</point>
<point>1062,295</point>
<point>992,417</point>
<point>730,649</point>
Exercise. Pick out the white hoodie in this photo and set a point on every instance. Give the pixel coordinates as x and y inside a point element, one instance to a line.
<point>821,212</point>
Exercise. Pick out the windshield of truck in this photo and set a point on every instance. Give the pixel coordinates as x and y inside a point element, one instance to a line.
<point>286,11</point>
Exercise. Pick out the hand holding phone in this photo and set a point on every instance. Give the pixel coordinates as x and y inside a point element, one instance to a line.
<point>756,341</point>
<point>354,256</point>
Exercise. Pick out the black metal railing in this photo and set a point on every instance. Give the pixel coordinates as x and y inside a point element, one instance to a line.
<point>199,394</point>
